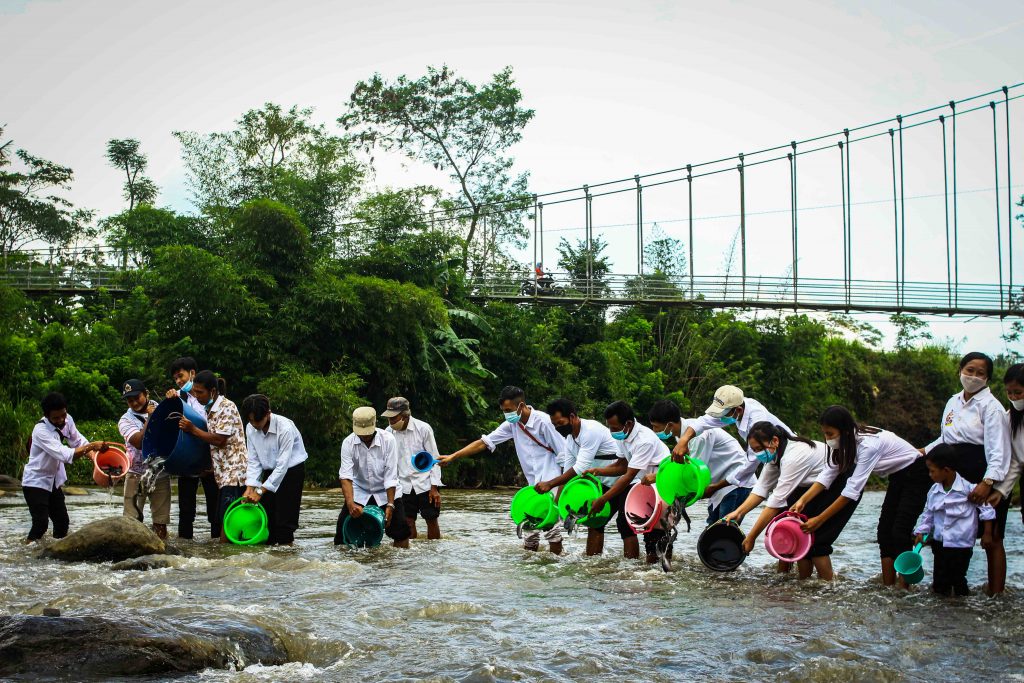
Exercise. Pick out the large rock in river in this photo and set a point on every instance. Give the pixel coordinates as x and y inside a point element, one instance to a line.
<point>79,648</point>
<point>111,538</point>
<point>9,483</point>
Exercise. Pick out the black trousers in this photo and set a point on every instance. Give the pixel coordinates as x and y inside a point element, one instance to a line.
<point>950,570</point>
<point>904,501</point>
<point>397,530</point>
<point>44,506</point>
<point>188,487</point>
<point>283,505</point>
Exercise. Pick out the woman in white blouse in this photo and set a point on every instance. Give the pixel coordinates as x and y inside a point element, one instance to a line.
<point>974,422</point>
<point>1013,381</point>
<point>857,452</point>
<point>791,465</point>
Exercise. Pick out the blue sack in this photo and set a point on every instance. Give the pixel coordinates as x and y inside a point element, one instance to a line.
<point>185,455</point>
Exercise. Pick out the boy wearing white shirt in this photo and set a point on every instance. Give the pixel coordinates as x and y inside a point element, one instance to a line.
<point>537,446</point>
<point>369,476</point>
<point>952,520</point>
<point>420,495</point>
<point>55,442</point>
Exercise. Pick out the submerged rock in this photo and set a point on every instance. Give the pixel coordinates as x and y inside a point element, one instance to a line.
<point>149,562</point>
<point>75,648</point>
<point>112,538</point>
<point>10,483</point>
<point>75,491</point>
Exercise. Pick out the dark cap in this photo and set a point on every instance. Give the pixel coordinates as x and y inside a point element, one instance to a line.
<point>133,388</point>
<point>396,406</point>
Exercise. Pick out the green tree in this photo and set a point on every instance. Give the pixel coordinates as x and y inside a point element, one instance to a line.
<point>125,155</point>
<point>139,232</point>
<point>909,330</point>
<point>269,237</point>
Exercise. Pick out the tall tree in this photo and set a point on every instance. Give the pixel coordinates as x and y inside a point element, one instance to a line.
<point>125,155</point>
<point>457,126</point>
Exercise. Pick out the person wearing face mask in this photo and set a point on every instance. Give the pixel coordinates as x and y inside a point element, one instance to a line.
<point>589,444</point>
<point>857,451</point>
<point>1013,382</point>
<point>791,465</point>
<point>226,435</point>
<point>975,424</point>
<point>132,427</point>
<point>183,373</point>
<point>55,442</point>
<point>276,453</point>
<point>537,445</point>
<point>729,407</point>
<point>418,490</point>
<point>732,472</point>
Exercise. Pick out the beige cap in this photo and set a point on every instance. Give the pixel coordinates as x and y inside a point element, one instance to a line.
<point>364,421</point>
<point>726,398</point>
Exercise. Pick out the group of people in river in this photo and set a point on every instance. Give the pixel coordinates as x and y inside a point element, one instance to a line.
<point>948,493</point>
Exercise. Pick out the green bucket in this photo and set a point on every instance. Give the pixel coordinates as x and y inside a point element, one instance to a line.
<point>910,565</point>
<point>246,523</point>
<point>366,530</point>
<point>686,480</point>
<point>536,509</point>
<point>577,496</point>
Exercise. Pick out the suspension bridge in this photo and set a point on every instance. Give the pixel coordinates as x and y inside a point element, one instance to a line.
<point>854,272</point>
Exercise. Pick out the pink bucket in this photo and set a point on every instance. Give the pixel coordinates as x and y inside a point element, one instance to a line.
<point>643,508</point>
<point>110,465</point>
<point>785,540</point>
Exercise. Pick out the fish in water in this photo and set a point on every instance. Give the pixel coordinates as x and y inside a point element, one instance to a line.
<point>112,470</point>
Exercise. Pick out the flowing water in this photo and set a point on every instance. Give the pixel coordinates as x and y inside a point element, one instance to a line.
<point>476,607</point>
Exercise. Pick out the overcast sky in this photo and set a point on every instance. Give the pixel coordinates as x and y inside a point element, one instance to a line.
<point>619,88</point>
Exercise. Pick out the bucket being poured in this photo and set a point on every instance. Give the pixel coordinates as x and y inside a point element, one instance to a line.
<point>910,565</point>
<point>577,496</point>
<point>785,540</point>
<point>535,510</point>
<point>643,508</point>
<point>110,465</point>
<point>423,461</point>
<point>366,530</point>
<point>687,480</point>
<point>246,523</point>
<point>720,546</point>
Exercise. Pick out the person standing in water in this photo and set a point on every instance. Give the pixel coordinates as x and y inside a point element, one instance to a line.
<point>1013,381</point>
<point>537,444</point>
<point>132,427</point>
<point>55,442</point>
<point>420,494</point>
<point>974,423</point>
<point>183,372</point>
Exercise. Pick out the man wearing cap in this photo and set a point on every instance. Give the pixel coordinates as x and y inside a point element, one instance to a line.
<point>729,407</point>
<point>369,476</point>
<point>132,426</point>
<point>420,495</point>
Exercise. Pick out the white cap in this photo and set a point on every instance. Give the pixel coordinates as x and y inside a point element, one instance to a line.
<point>364,421</point>
<point>726,398</point>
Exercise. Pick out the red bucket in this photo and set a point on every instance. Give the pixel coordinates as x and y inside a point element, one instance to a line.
<point>110,465</point>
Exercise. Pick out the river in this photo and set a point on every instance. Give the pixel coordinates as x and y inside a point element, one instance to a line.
<point>476,607</point>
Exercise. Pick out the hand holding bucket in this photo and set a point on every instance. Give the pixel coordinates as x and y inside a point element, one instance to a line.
<point>910,565</point>
<point>110,464</point>
<point>785,540</point>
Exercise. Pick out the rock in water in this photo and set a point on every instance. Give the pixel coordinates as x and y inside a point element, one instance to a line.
<point>75,491</point>
<point>112,538</point>
<point>9,483</point>
<point>77,648</point>
<point>149,562</point>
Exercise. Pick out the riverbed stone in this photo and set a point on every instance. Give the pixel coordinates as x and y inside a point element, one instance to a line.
<point>75,491</point>
<point>9,483</point>
<point>91,647</point>
<point>147,562</point>
<point>111,538</point>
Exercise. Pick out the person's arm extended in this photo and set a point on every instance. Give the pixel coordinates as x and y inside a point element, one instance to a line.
<point>389,509</point>
<point>767,515</point>
<point>618,469</point>
<point>620,485</point>
<point>474,448</point>
<point>812,493</point>
<point>682,447</point>
<point>354,508</point>
<point>812,525</point>
<point>752,501</point>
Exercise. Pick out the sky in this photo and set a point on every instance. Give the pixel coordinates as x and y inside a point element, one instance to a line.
<point>618,89</point>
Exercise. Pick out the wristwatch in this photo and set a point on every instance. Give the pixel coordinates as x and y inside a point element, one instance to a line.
<point>259,491</point>
<point>988,481</point>
<point>390,505</point>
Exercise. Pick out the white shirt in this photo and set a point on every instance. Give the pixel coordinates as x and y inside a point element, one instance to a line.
<point>1016,466</point>
<point>594,447</point>
<point>417,436</point>
<point>372,469</point>
<point>882,453</point>
<point>801,464</point>
<point>643,450</point>
<point>725,458</point>
<point>753,412</point>
<point>538,463</point>
<point>193,402</point>
<point>950,517</point>
<point>981,420</point>
<point>47,457</point>
<point>280,449</point>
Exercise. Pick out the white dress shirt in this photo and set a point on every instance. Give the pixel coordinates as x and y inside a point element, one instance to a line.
<point>280,449</point>
<point>1016,465</point>
<point>950,516</point>
<point>539,462</point>
<point>594,447</point>
<point>801,465</point>
<point>643,450</point>
<point>417,436</point>
<point>753,412</point>
<point>882,454</point>
<point>725,458</point>
<point>47,457</point>
<point>372,469</point>
<point>981,420</point>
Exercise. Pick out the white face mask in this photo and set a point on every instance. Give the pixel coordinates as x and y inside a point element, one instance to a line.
<point>1018,404</point>
<point>832,443</point>
<point>971,384</point>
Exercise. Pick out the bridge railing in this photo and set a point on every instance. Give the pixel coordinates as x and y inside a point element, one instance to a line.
<point>79,278</point>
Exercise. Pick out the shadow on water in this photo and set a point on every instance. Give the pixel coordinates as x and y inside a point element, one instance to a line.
<point>476,607</point>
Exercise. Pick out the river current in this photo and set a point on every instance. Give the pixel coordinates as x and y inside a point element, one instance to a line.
<point>474,606</point>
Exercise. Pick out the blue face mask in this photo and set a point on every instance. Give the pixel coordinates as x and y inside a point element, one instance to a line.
<point>765,456</point>
<point>728,420</point>
<point>664,436</point>
<point>187,386</point>
<point>210,402</point>
<point>512,417</point>
<point>619,436</point>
